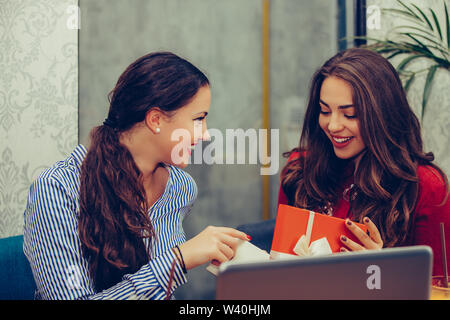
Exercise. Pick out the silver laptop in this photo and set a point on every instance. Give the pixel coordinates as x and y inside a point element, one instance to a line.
<point>392,273</point>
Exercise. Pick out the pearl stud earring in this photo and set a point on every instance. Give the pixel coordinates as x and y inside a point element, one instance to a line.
<point>158,130</point>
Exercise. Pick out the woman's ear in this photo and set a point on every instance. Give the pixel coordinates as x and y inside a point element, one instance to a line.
<point>153,120</point>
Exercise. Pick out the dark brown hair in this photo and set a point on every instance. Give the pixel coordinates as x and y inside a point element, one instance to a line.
<point>114,217</point>
<point>386,181</point>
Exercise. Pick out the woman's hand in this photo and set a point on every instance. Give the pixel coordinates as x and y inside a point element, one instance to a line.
<point>213,243</point>
<point>368,241</point>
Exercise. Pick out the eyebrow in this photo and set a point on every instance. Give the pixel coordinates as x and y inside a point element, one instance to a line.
<point>340,107</point>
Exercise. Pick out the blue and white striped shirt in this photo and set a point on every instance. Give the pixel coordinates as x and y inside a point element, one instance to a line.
<point>53,248</point>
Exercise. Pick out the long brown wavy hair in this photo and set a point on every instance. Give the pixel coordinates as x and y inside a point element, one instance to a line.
<point>386,182</point>
<point>114,220</point>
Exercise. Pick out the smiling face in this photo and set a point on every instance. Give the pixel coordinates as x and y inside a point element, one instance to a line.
<point>184,129</point>
<point>337,118</point>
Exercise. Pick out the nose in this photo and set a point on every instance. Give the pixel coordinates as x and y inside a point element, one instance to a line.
<point>206,136</point>
<point>335,123</point>
<point>201,133</point>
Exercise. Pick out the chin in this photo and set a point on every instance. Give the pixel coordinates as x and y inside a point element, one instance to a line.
<point>347,155</point>
<point>343,156</point>
<point>182,164</point>
<point>180,160</point>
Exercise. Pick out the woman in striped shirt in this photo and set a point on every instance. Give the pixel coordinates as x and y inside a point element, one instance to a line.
<point>106,223</point>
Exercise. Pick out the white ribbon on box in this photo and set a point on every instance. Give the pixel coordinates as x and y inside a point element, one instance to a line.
<point>303,247</point>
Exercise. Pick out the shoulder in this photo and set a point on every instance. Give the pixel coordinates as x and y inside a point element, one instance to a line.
<point>429,175</point>
<point>432,186</point>
<point>64,173</point>
<point>295,155</point>
<point>430,180</point>
<point>293,160</point>
<point>53,195</point>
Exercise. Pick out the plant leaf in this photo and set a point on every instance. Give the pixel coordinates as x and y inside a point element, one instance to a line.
<point>407,60</point>
<point>413,49</point>
<point>390,47</point>
<point>409,82</point>
<point>427,32</point>
<point>438,44</point>
<point>395,53</point>
<point>436,22</point>
<point>447,25</point>
<point>424,47</point>
<point>409,9</point>
<point>427,87</point>
<point>406,14</point>
<point>424,16</point>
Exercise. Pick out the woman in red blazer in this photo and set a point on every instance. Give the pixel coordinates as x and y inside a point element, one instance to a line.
<point>361,158</point>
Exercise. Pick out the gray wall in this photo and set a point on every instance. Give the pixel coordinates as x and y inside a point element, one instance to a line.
<point>223,38</point>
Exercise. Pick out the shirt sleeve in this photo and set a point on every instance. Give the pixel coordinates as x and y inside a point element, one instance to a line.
<point>430,213</point>
<point>53,248</point>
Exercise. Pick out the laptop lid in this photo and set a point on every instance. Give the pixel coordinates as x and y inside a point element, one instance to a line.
<point>391,273</point>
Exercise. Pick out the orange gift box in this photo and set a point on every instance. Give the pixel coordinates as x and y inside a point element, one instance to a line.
<point>292,223</point>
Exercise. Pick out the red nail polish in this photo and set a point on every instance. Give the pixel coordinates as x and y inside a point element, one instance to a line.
<point>216,263</point>
<point>249,238</point>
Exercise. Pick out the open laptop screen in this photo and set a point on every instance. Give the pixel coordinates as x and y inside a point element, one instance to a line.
<point>393,273</point>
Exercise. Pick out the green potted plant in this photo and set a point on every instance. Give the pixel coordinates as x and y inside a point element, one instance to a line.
<point>425,37</point>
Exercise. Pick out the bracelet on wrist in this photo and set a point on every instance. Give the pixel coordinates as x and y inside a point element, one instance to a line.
<point>181,260</point>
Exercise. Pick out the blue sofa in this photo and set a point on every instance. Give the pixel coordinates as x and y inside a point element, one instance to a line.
<point>16,278</point>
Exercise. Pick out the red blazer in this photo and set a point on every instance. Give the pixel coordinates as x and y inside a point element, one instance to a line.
<point>426,218</point>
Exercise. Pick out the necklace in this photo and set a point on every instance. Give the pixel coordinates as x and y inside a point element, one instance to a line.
<point>327,209</point>
<point>348,195</point>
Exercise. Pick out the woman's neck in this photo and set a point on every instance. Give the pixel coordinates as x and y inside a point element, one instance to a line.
<point>138,143</point>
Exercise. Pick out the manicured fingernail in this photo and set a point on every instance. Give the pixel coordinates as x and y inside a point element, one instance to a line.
<point>349,223</point>
<point>344,238</point>
<point>215,262</point>
<point>366,220</point>
<point>342,249</point>
<point>249,238</point>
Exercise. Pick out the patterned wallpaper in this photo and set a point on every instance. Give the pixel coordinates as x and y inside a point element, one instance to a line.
<point>38,97</point>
